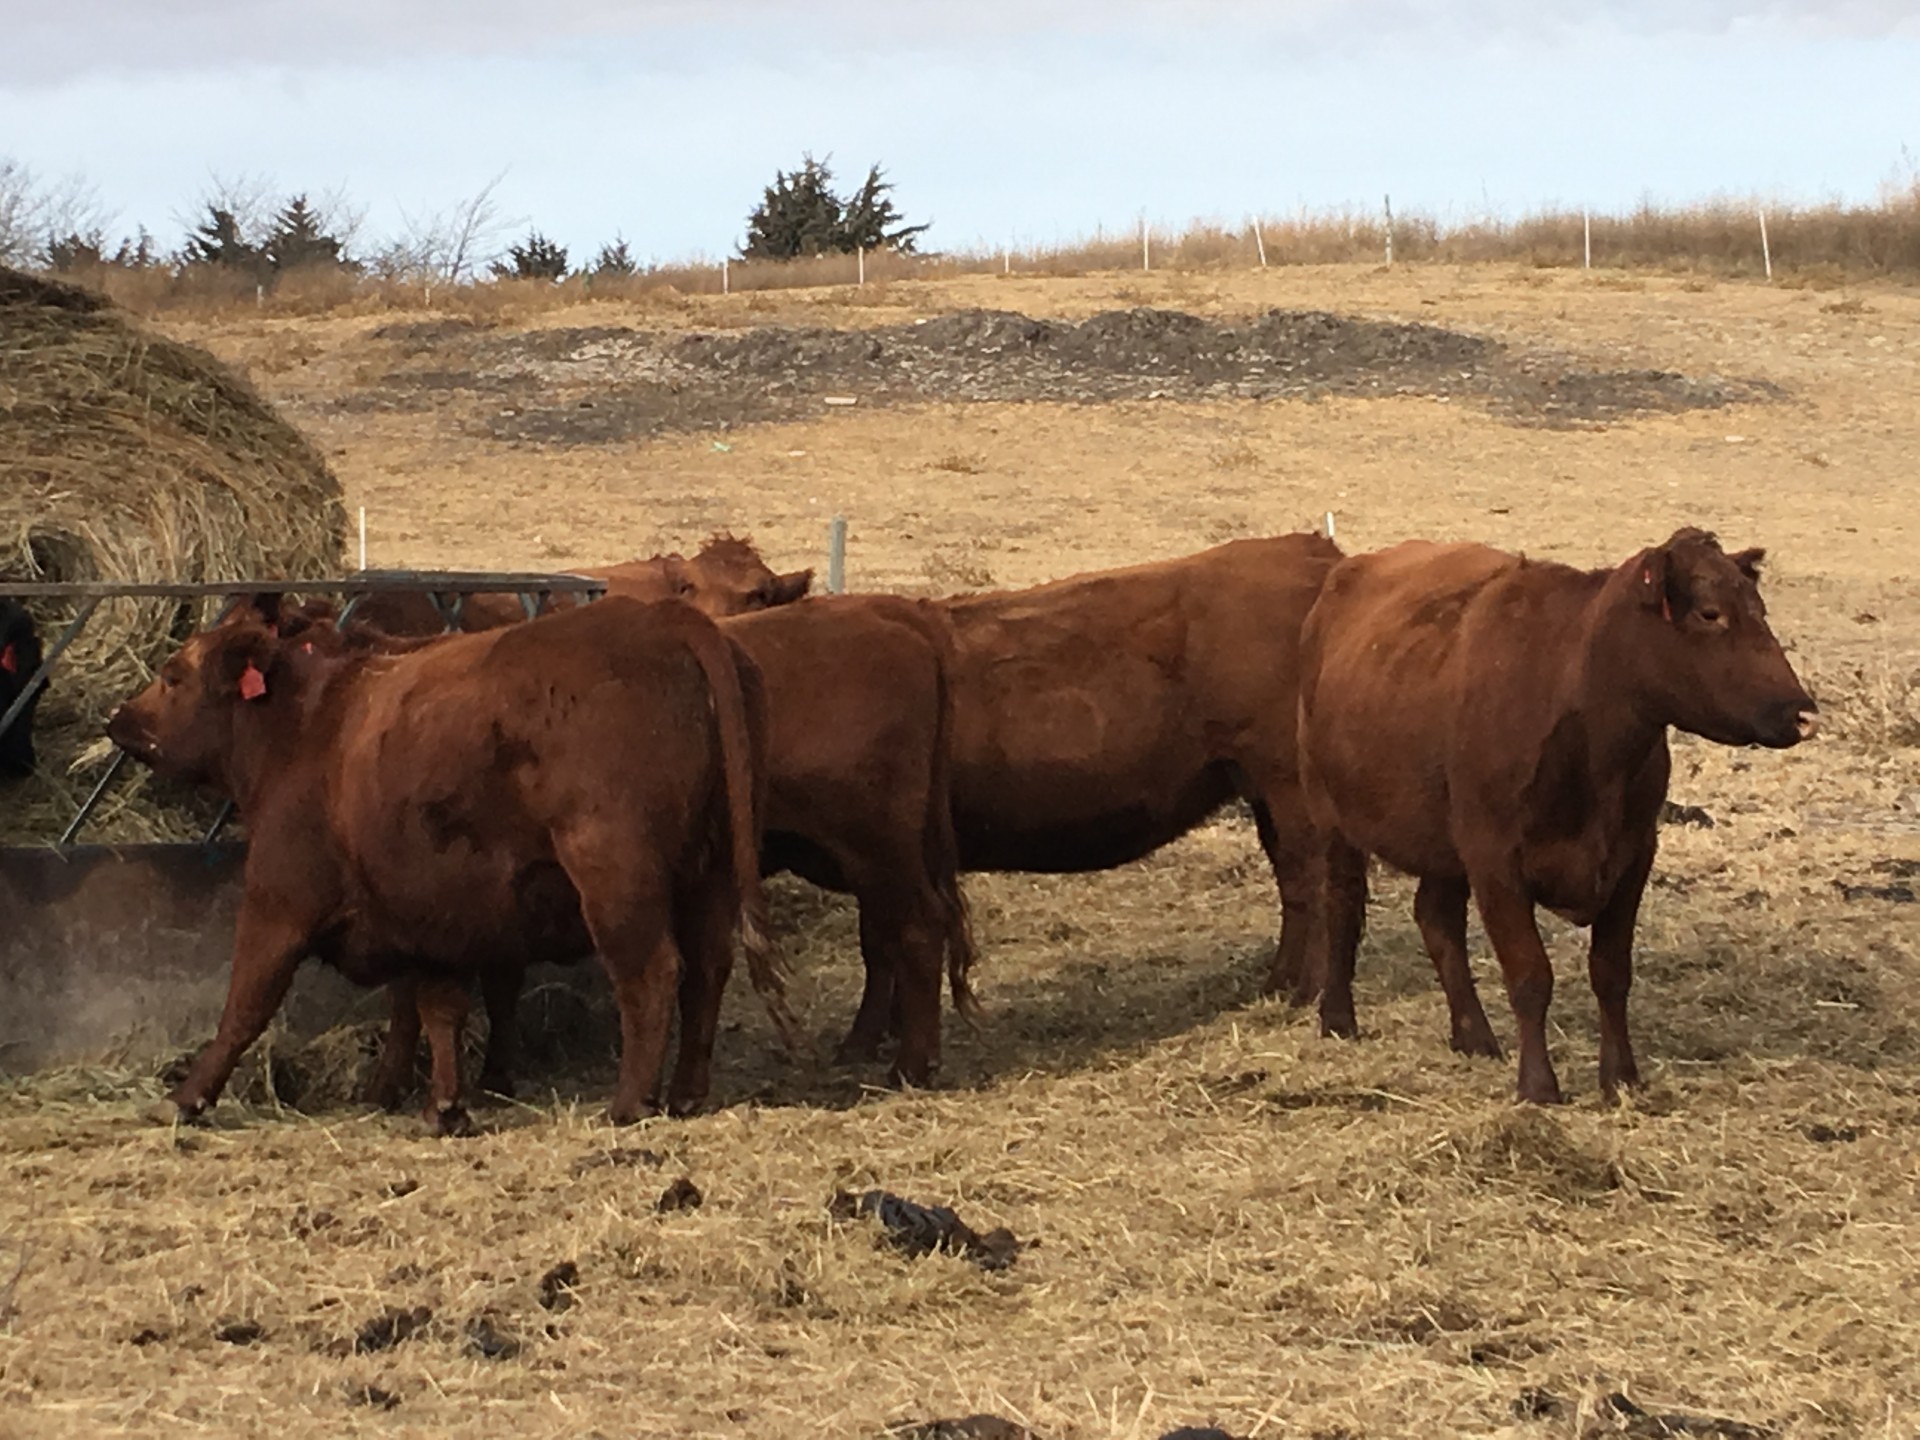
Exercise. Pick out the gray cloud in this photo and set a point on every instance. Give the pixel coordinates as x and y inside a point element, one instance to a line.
<point>84,38</point>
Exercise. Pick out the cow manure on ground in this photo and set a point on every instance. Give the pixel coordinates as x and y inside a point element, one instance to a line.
<point>557,1287</point>
<point>1823,1134</point>
<point>1617,1415</point>
<point>486,1339</point>
<point>682,1194</point>
<point>1672,814</point>
<point>239,1332</point>
<point>921,1229</point>
<point>389,1328</point>
<point>967,1427</point>
<point>1898,893</point>
<point>374,1397</point>
<point>605,1159</point>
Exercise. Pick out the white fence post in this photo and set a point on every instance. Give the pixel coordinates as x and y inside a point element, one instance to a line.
<point>861,274</point>
<point>1389,200</point>
<point>1586,227</point>
<point>1766,252</point>
<point>1146,245</point>
<point>725,279</point>
<point>1259,243</point>
<point>837,555</point>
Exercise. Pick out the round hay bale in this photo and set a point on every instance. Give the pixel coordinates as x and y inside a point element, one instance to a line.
<point>128,457</point>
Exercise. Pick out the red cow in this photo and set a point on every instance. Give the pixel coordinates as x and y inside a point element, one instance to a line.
<point>727,577</point>
<point>1497,725</point>
<point>858,801</point>
<point>585,783</point>
<point>1100,717</point>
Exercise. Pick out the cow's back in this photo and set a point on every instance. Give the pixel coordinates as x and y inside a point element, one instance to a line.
<point>1101,716</point>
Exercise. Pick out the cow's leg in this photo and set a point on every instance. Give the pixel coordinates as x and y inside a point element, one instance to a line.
<point>443,1008</point>
<point>1610,968</point>
<point>267,949</point>
<point>1507,913</point>
<point>1341,874</point>
<point>500,993</point>
<point>918,943</point>
<point>394,1068</point>
<point>879,1012</point>
<point>703,927</point>
<point>1290,845</point>
<point>1440,909</point>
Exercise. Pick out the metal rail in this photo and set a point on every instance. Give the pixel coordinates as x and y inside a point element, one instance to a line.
<point>448,591</point>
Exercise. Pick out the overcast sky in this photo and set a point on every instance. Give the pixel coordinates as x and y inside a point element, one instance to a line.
<point>1031,121</point>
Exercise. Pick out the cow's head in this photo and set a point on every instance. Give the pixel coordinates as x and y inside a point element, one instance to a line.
<point>19,659</point>
<point>183,724</point>
<point>1704,652</point>
<point>727,577</point>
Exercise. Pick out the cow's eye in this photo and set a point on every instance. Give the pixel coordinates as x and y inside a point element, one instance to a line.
<point>1710,615</point>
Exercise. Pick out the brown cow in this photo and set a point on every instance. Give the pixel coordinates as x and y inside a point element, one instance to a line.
<point>858,801</point>
<point>1100,717</point>
<point>1498,725</point>
<point>452,811</point>
<point>727,577</point>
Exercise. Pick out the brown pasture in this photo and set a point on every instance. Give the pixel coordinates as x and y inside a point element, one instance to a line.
<point>1236,1221</point>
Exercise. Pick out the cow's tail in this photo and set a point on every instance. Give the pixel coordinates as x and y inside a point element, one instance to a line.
<point>744,774</point>
<point>942,847</point>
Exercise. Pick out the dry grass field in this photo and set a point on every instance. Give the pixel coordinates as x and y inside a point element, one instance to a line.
<point>1232,1220</point>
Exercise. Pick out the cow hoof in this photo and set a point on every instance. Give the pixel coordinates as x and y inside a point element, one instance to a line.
<point>450,1121</point>
<point>680,1109</point>
<point>1339,1027</point>
<point>861,1051</point>
<point>169,1112</point>
<point>630,1114</point>
<point>912,1077</point>
<point>501,1085</point>
<point>381,1095</point>
<point>1482,1045</point>
<point>1540,1093</point>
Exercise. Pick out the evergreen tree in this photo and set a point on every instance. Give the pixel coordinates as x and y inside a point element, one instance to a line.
<point>535,258</point>
<point>799,214</point>
<point>299,238</point>
<point>869,221</point>
<point>614,261</point>
<point>217,240</point>
<point>75,251</point>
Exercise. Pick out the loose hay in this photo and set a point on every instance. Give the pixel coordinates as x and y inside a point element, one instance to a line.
<point>128,457</point>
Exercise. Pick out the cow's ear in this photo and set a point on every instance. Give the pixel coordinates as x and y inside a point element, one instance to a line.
<point>785,589</point>
<point>1656,570</point>
<point>1748,562</point>
<point>263,608</point>
<point>246,665</point>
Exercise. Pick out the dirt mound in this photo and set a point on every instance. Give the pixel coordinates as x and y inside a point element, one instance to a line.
<point>603,384</point>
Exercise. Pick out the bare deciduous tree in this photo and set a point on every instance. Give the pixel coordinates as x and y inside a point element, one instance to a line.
<point>448,245</point>
<point>36,213</point>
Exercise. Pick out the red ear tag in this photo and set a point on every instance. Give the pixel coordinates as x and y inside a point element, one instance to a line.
<point>8,663</point>
<point>252,683</point>
<point>307,648</point>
